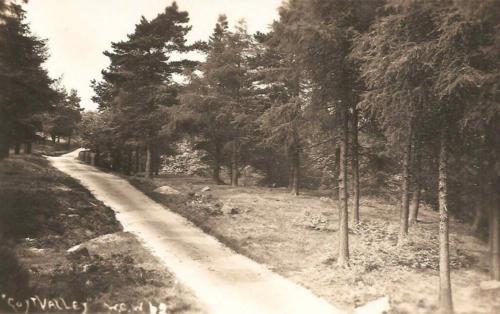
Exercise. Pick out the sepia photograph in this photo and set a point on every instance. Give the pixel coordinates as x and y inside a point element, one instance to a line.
<point>250,156</point>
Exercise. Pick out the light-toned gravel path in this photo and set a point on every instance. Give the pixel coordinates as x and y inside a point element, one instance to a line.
<point>225,282</point>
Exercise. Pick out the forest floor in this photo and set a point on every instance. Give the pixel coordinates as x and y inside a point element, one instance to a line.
<point>223,281</point>
<point>297,238</point>
<point>43,213</point>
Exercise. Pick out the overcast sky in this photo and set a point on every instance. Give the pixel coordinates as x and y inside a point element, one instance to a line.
<point>78,31</point>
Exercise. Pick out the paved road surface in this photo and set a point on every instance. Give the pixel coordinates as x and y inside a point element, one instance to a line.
<point>225,282</point>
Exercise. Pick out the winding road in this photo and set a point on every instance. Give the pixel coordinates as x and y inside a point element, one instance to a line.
<point>225,282</point>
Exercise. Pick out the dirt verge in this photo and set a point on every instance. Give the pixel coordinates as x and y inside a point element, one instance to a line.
<point>44,214</point>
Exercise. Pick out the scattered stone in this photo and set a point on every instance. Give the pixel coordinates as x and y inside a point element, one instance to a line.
<point>325,199</point>
<point>315,221</point>
<point>89,268</point>
<point>379,306</point>
<point>36,250</point>
<point>206,189</point>
<point>89,233</point>
<point>230,209</point>
<point>73,216</point>
<point>167,190</point>
<point>77,251</point>
<point>490,285</point>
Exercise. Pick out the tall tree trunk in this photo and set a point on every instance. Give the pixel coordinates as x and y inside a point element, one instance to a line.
<point>149,166</point>
<point>53,138</point>
<point>494,201</point>
<point>445,298</point>
<point>128,168</point>
<point>325,177</point>
<point>69,141</point>
<point>58,139</point>
<point>336,190</point>
<point>216,164</point>
<point>405,200</point>
<point>17,148</point>
<point>4,146</point>
<point>269,171</point>
<point>155,155</point>
<point>478,216</point>
<point>137,160</point>
<point>415,193</point>
<point>355,169</point>
<point>116,160</point>
<point>97,158</point>
<point>27,148</point>
<point>343,259</point>
<point>295,172</point>
<point>495,238</point>
<point>291,172</point>
<point>234,163</point>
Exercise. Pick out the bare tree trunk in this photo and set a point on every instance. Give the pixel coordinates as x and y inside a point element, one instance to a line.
<point>343,259</point>
<point>97,158</point>
<point>216,165</point>
<point>355,169</point>
<point>137,160</point>
<point>478,217</point>
<point>149,166</point>
<point>495,239</point>
<point>445,297</point>
<point>17,148</point>
<point>234,163</point>
<point>295,172</point>
<point>4,146</point>
<point>69,141</point>
<point>405,200</point>
<point>415,194</point>
<point>53,138</point>
<point>291,173</point>
<point>336,191</point>
<point>325,177</point>
<point>269,171</point>
<point>58,139</point>
<point>156,161</point>
<point>27,148</point>
<point>128,168</point>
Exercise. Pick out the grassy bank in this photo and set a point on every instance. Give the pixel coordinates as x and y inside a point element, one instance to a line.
<point>43,213</point>
<point>297,237</point>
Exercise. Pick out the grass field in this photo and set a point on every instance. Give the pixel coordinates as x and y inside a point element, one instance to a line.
<point>297,237</point>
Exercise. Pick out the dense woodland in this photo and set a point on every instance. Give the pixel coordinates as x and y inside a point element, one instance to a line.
<point>343,95</point>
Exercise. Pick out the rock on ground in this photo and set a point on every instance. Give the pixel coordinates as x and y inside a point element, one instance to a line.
<point>167,190</point>
<point>379,306</point>
<point>490,285</point>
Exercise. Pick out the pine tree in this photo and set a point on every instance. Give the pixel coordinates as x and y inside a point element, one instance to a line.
<point>139,85</point>
<point>65,116</point>
<point>25,86</point>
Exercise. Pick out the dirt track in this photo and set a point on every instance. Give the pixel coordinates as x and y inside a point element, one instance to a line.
<point>225,282</point>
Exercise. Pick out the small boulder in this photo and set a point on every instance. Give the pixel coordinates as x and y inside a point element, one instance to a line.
<point>167,190</point>
<point>490,285</point>
<point>230,209</point>
<point>378,306</point>
<point>78,251</point>
<point>206,189</point>
<point>325,199</point>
